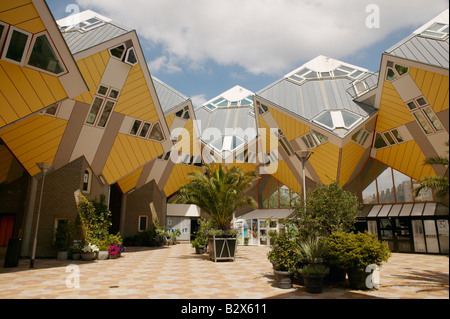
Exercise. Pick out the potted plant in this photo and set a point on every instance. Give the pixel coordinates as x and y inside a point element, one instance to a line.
<point>313,275</point>
<point>284,258</point>
<point>311,266</point>
<point>76,249</point>
<point>356,253</point>
<point>199,244</point>
<point>246,239</point>
<point>62,241</point>
<point>175,233</point>
<point>89,252</point>
<point>103,253</point>
<point>219,192</point>
<point>114,251</point>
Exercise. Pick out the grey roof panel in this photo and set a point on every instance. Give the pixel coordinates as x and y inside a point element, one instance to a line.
<point>422,49</point>
<point>79,40</point>
<point>168,96</point>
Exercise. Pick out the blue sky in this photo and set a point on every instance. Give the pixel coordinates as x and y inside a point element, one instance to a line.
<point>202,48</point>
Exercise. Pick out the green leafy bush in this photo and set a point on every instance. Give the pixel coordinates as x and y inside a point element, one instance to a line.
<point>354,251</point>
<point>315,269</point>
<point>284,253</point>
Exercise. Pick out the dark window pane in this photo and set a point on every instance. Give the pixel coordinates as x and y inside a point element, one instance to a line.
<point>118,52</point>
<point>379,141</point>
<point>17,46</point>
<point>131,58</point>
<point>43,57</point>
<point>135,127</point>
<point>144,130</point>
<point>94,110</point>
<point>156,133</point>
<point>106,113</point>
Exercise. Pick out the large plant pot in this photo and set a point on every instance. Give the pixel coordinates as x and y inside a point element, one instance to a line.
<point>200,250</point>
<point>103,255</point>
<point>222,248</point>
<point>88,256</point>
<point>313,283</point>
<point>62,255</point>
<point>284,278</point>
<point>358,279</point>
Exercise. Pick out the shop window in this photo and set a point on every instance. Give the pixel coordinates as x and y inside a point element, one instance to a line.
<point>17,43</point>
<point>143,223</point>
<point>102,106</point>
<point>425,116</point>
<point>43,56</point>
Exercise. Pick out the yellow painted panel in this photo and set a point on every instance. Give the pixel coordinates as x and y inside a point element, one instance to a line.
<point>325,162</point>
<point>127,155</point>
<point>285,176</point>
<point>19,14</point>
<point>39,86</point>
<point>7,113</point>
<point>56,87</point>
<point>393,111</point>
<point>11,4</point>
<point>291,127</point>
<point>434,87</point>
<point>12,95</point>
<point>267,138</point>
<point>406,158</point>
<point>351,155</point>
<point>169,120</point>
<point>178,177</point>
<point>23,86</point>
<point>33,26</point>
<point>129,182</point>
<point>34,140</point>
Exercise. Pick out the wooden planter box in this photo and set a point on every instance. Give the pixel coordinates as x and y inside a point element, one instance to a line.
<point>222,248</point>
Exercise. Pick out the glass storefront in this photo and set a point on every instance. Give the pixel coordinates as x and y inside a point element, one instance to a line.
<point>255,231</point>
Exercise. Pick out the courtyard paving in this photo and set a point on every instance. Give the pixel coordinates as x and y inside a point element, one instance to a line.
<point>176,272</point>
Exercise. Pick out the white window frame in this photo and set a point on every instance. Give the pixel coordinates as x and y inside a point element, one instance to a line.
<point>420,109</point>
<point>314,139</point>
<point>123,54</point>
<point>139,223</point>
<point>4,34</point>
<point>127,55</point>
<point>91,25</point>
<point>106,98</point>
<point>361,137</point>
<point>28,55</point>
<point>438,34</point>
<point>7,41</point>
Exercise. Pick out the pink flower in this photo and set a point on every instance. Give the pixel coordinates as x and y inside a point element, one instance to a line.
<point>113,250</point>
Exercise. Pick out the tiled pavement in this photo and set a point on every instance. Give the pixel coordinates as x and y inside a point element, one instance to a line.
<point>175,272</point>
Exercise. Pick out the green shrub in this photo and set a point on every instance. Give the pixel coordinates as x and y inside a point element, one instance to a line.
<point>354,251</point>
<point>284,253</point>
<point>315,269</point>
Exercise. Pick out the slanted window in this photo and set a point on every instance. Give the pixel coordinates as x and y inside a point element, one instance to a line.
<point>3,32</point>
<point>395,70</point>
<point>131,57</point>
<point>118,52</point>
<point>314,139</point>
<point>388,138</point>
<point>425,116</point>
<point>135,127</point>
<point>361,137</point>
<point>16,45</point>
<point>144,130</point>
<point>43,56</point>
<point>436,31</point>
<point>102,106</point>
<point>156,133</point>
<point>51,110</point>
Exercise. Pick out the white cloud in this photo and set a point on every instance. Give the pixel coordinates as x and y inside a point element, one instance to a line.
<point>198,100</point>
<point>262,36</point>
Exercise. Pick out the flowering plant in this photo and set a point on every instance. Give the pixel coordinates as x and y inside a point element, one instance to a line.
<point>113,250</point>
<point>90,248</point>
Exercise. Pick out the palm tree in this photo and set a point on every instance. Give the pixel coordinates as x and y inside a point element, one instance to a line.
<point>218,192</point>
<point>438,183</point>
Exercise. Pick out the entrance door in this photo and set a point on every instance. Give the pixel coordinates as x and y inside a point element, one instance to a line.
<point>397,233</point>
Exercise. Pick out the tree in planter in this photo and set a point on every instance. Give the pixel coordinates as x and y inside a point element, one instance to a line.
<point>329,208</point>
<point>219,192</point>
